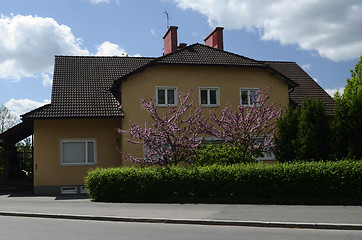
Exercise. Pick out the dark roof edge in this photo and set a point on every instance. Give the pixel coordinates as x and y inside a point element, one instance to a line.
<point>195,44</point>
<point>79,56</point>
<point>294,84</point>
<point>74,117</point>
<point>305,74</point>
<point>23,116</point>
<point>154,62</point>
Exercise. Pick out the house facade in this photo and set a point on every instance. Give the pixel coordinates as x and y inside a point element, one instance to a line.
<point>92,96</point>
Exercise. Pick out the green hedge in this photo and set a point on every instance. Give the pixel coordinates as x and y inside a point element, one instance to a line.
<point>294,183</point>
<point>221,154</point>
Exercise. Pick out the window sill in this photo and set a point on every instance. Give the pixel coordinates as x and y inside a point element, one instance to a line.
<point>206,105</point>
<point>166,105</point>
<point>77,164</point>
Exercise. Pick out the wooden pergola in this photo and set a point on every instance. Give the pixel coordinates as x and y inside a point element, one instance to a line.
<point>8,140</point>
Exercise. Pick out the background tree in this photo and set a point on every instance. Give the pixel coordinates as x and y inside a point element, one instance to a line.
<point>313,137</point>
<point>246,127</point>
<point>24,155</point>
<point>347,135</point>
<point>173,136</point>
<point>303,133</point>
<point>7,119</point>
<point>286,135</point>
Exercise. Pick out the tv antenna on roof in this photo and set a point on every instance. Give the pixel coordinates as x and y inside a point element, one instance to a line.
<point>168,19</point>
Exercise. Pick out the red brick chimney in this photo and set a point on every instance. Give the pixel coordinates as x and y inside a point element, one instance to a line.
<point>170,40</point>
<point>215,39</point>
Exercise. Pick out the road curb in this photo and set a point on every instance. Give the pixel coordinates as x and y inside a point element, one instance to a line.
<point>331,226</point>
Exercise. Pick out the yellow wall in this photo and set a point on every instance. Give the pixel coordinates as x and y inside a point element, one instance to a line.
<point>47,134</point>
<point>228,79</point>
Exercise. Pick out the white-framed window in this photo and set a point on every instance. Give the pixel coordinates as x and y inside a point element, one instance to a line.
<point>247,96</point>
<point>166,96</point>
<point>78,152</point>
<point>209,96</point>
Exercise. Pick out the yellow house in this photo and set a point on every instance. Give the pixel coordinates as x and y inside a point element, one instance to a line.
<point>92,96</point>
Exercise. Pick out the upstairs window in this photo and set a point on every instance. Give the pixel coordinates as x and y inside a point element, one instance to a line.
<point>209,97</point>
<point>78,152</point>
<point>247,96</point>
<point>166,96</point>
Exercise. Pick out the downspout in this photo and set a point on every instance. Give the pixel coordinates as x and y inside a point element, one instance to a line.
<point>32,158</point>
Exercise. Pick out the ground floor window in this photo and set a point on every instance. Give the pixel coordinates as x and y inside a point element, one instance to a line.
<point>78,151</point>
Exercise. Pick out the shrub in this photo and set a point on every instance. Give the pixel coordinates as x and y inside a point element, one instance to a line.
<point>303,133</point>
<point>313,137</point>
<point>223,154</point>
<point>288,183</point>
<point>287,130</point>
<point>348,117</point>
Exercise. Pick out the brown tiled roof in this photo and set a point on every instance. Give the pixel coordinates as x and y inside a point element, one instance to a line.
<point>308,88</point>
<point>81,87</point>
<point>199,54</point>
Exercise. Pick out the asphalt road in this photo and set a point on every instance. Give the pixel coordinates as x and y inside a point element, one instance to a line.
<point>19,228</point>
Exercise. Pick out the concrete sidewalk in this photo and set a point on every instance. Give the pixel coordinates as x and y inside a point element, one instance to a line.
<point>80,207</point>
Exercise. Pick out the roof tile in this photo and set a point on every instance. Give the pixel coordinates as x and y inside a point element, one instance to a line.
<point>307,86</point>
<point>81,84</point>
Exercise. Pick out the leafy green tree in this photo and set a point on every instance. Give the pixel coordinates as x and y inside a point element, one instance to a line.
<point>303,133</point>
<point>287,130</point>
<point>347,135</point>
<point>313,137</point>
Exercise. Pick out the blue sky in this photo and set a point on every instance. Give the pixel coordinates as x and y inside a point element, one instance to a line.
<point>322,36</point>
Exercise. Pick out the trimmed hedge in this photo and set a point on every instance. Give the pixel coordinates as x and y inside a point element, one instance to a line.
<point>294,183</point>
<point>221,154</point>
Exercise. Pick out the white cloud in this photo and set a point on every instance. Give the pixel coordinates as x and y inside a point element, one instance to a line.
<point>99,1</point>
<point>331,92</point>
<point>94,2</point>
<point>153,32</point>
<point>46,80</point>
<point>28,45</point>
<point>306,67</point>
<point>331,27</point>
<point>21,106</point>
<point>110,49</point>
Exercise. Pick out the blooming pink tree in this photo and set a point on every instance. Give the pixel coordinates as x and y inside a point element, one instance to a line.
<point>249,128</point>
<point>172,136</point>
